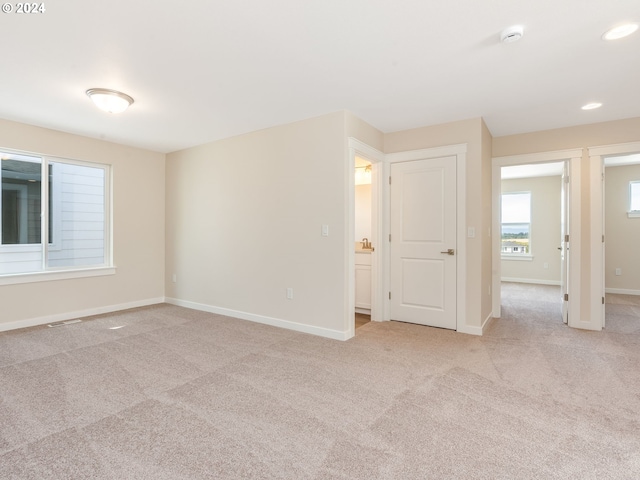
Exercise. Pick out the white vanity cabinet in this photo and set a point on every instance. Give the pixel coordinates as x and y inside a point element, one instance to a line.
<point>363,282</point>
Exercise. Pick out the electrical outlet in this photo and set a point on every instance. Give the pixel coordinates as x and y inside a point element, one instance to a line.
<point>174,278</point>
<point>546,265</point>
<point>618,271</point>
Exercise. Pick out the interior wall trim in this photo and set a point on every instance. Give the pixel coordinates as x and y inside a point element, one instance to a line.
<point>274,322</point>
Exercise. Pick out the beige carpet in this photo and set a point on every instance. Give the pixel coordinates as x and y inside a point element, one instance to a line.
<point>180,394</point>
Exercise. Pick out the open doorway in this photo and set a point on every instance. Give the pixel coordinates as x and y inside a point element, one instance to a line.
<point>571,243</point>
<point>363,244</point>
<point>621,212</point>
<point>365,167</point>
<point>532,230</point>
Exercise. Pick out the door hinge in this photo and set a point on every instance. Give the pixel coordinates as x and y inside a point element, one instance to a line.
<point>603,177</point>
<point>389,295</point>
<point>389,237</point>
<point>566,238</point>
<point>602,238</point>
<point>603,300</point>
<point>566,297</point>
<point>389,180</point>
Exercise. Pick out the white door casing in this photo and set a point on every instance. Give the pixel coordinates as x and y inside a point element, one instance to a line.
<point>564,247</point>
<point>423,242</point>
<point>574,158</point>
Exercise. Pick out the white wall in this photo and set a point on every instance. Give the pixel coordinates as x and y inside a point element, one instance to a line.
<point>138,230</point>
<point>244,218</point>
<point>622,233</point>
<point>545,231</point>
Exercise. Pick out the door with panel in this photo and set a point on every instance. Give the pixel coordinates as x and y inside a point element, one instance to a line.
<point>423,242</point>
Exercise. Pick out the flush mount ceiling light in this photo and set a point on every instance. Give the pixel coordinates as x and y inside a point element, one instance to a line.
<point>620,31</point>
<point>512,34</point>
<point>591,106</point>
<point>108,100</point>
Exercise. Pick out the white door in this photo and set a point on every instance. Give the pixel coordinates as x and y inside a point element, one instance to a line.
<point>423,242</point>
<point>564,245</point>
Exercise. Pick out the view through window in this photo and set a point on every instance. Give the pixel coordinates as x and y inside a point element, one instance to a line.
<point>516,223</point>
<point>74,215</point>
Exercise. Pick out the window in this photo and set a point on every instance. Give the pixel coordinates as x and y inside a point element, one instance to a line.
<point>516,223</point>
<point>57,224</point>
<point>634,199</point>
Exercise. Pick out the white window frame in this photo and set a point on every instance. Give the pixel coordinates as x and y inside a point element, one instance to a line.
<point>633,213</point>
<point>527,257</point>
<point>47,273</point>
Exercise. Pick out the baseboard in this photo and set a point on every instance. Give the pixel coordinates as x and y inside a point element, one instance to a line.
<point>274,322</point>
<point>364,311</point>
<point>469,330</point>
<point>487,322</point>
<point>61,317</point>
<point>622,291</point>
<point>531,280</point>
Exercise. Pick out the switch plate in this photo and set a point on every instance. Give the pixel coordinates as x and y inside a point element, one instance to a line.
<point>618,271</point>
<point>325,230</point>
<point>174,278</point>
<point>471,232</point>
<point>290,293</point>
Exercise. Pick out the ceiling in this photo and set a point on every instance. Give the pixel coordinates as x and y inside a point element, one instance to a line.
<point>206,70</point>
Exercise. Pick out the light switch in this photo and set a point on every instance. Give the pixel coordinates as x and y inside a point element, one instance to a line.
<point>325,230</point>
<point>471,232</point>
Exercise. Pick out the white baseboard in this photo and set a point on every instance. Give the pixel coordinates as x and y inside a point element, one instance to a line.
<point>476,330</point>
<point>622,291</point>
<point>274,322</point>
<point>487,322</point>
<point>470,330</point>
<point>531,280</point>
<point>61,317</point>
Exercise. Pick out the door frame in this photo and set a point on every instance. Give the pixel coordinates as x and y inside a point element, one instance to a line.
<point>597,251</point>
<point>574,157</point>
<point>460,152</point>
<point>376,157</point>
<point>381,226</point>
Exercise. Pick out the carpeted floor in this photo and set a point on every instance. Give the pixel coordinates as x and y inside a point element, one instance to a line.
<point>180,394</point>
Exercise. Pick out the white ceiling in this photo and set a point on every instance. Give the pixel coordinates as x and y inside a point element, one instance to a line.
<point>205,70</point>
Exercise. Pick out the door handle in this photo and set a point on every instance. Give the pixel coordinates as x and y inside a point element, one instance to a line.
<point>451,251</point>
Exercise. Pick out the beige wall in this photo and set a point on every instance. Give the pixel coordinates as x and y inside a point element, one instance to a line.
<point>138,230</point>
<point>583,136</point>
<point>545,231</point>
<point>244,218</point>
<point>478,203</point>
<point>622,233</point>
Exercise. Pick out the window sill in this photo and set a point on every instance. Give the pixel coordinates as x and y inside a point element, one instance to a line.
<point>14,279</point>
<point>634,214</point>
<point>519,258</point>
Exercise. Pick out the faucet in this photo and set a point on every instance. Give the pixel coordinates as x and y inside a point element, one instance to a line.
<point>366,244</point>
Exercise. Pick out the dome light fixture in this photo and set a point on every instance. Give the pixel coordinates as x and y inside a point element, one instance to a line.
<point>591,106</point>
<point>110,101</point>
<point>620,31</point>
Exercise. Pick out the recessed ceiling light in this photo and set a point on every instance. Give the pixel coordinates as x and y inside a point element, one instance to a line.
<point>591,106</point>
<point>620,31</point>
<point>512,34</point>
<point>110,101</point>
